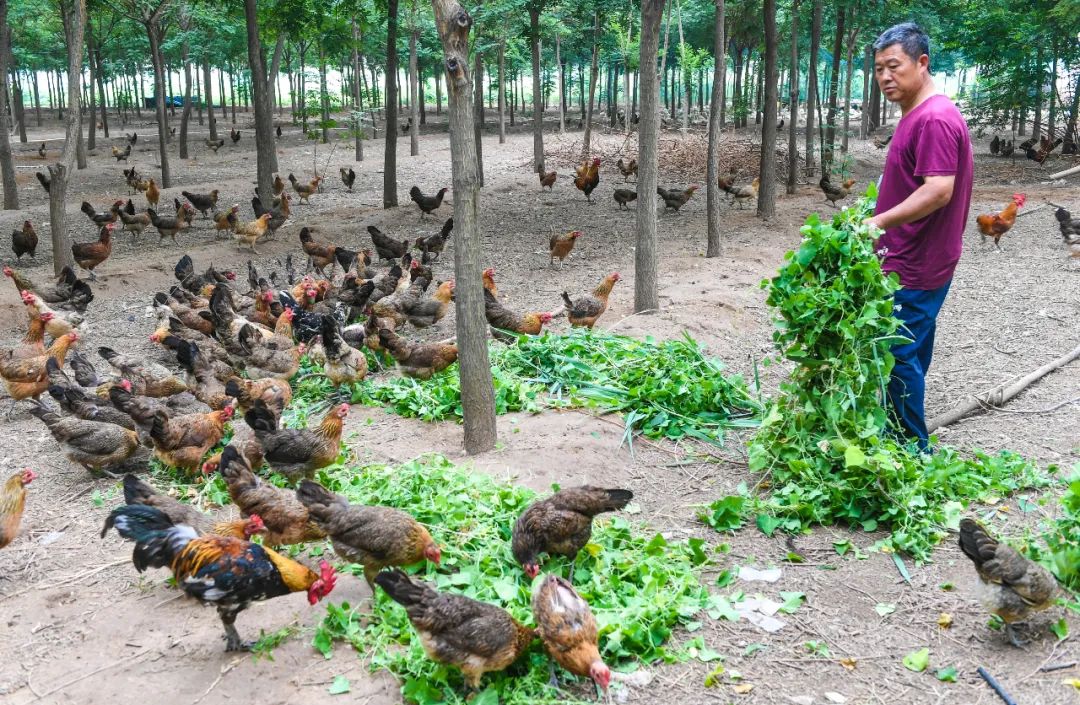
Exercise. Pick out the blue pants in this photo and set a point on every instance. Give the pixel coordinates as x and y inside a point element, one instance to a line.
<point>917,311</point>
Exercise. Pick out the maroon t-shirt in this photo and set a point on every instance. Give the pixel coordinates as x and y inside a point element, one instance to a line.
<point>931,140</point>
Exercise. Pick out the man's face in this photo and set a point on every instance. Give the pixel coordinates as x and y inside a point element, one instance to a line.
<point>898,75</point>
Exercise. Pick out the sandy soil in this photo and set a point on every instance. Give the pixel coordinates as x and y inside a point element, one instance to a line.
<point>82,627</point>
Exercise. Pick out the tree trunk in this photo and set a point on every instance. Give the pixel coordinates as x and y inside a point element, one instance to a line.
<point>646,296</point>
<point>324,95</point>
<point>7,166</point>
<point>474,367</point>
<point>562,85</point>
<point>712,188</point>
<point>275,71</point>
<point>265,165</point>
<point>513,100</point>
<point>414,88</point>
<point>864,114</point>
<point>152,24</point>
<point>766,202</point>
<point>537,91</point>
<point>185,116</point>
<point>847,83</point>
<point>390,197</point>
<point>207,85</point>
<point>829,147</point>
<point>594,72</point>
<point>1040,79</point>
<point>811,87</point>
<point>438,91</point>
<point>101,94</point>
<point>91,137</point>
<point>501,90</point>
<point>627,110</point>
<point>74,20</point>
<point>37,94</point>
<point>1051,120</point>
<point>478,114</point>
<point>793,106</point>
<point>358,102</point>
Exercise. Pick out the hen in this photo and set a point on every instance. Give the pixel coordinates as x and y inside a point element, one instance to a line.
<point>320,256</point>
<point>627,170</point>
<point>227,572</point>
<point>434,244</point>
<point>234,135</point>
<point>148,378</point>
<point>102,218</point>
<point>386,247</point>
<point>426,204</point>
<point>567,628</point>
<point>134,223</point>
<point>95,445</point>
<point>12,503</point>
<point>562,523</point>
<point>561,244</point>
<point>502,318</point>
<point>214,145</point>
<point>1070,227</point>
<point>295,452</point>
<point>373,536</point>
<point>476,637</point>
<point>122,154</point>
<point>305,191</point>
<point>739,193</point>
<point>344,364</point>
<point>182,441</point>
<point>33,341</point>
<point>588,181</point>
<point>69,293</point>
<point>273,392</point>
<point>202,202</point>
<point>89,255</point>
<point>418,360</point>
<point>623,196</point>
<point>835,193</point>
<point>57,325</point>
<point>287,521</point>
<point>44,180</point>
<point>204,375</point>
<point>675,199</point>
<point>138,492</point>
<point>252,231</point>
<point>227,220</point>
<point>169,227</point>
<point>24,241</point>
<point>274,356</point>
<point>348,177</point>
<point>996,225</point>
<point>152,193</point>
<point>79,401</point>
<point>588,308</point>
<point>1010,585</point>
<point>488,278</point>
<point>548,180</point>
<point>29,377</point>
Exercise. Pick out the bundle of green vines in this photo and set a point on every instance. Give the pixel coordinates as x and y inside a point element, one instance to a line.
<point>825,444</point>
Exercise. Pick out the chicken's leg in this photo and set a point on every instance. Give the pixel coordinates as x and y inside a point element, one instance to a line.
<point>1014,638</point>
<point>233,642</point>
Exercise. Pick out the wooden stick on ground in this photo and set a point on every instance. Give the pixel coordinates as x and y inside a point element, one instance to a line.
<point>1000,394</point>
<point>1067,172</point>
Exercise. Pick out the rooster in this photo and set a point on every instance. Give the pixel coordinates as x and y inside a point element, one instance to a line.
<point>227,572</point>
<point>1046,147</point>
<point>12,502</point>
<point>588,308</point>
<point>373,536</point>
<point>234,135</point>
<point>589,179</point>
<point>997,224</point>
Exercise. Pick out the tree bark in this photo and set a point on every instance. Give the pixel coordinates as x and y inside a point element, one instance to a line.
<point>414,86</point>
<point>265,161</point>
<point>501,91</point>
<point>474,367</point>
<point>562,85</point>
<point>478,114</point>
<point>811,87</point>
<point>1040,79</point>
<point>91,137</point>
<point>594,72</point>
<point>275,71</point>
<point>207,87</point>
<point>628,114</point>
<point>185,116</point>
<point>7,166</point>
<point>854,34</point>
<point>793,106</point>
<point>74,19</point>
<point>646,296</point>
<point>358,102</point>
<point>829,147</point>
<point>712,188</point>
<point>864,114</point>
<point>766,201</point>
<point>101,94</point>
<point>390,197</point>
<point>152,24</point>
<point>324,95</point>
<point>537,90</point>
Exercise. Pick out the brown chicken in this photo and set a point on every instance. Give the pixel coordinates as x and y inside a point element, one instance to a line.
<point>433,245</point>
<point>184,313</point>
<point>488,278</point>
<point>95,445</point>
<point>562,523</point>
<point>343,363</point>
<point>152,193</point>
<point>202,202</point>
<point>739,194</point>
<point>223,571</point>
<point>675,199</point>
<point>134,223</point>
<point>104,217</point>
<point>227,220</point>
<point>33,341</point>
<point>251,232</point>
<point>89,255</point>
<point>121,154</point>
<point>296,452</point>
<point>29,377</point>
<point>588,181</point>
<point>203,379</point>
<point>627,170</point>
<point>428,312</point>
<point>427,204</point>
<point>138,492</point>
<point>502,318</point>
<point>273,392</point>
<point>548,180</point>
<point>588,308</point>
<point>624,196</point>
<point>274,356</point>
<point>567,628</point>
<point>59,324</point>
<point>560,245</point>
<point>148,378</point>
<point>476,637</point>
<point>182,441</point>
<point>385,246</point>
<point>1010,585</point>
<point>305,191</point>
<point>373,536</point>
<point>12,503</point>
<point>997,224</point>
<point>835,193</point>
<point>287,521</point>
<point>348,177</point>
<point>419,360</point>
<point>69,293</point>
<point>24,241</point>
<point>320,256</point>
<point>169,227</point>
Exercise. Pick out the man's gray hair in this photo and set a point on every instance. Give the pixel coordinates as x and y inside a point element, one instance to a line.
<point>910,36</point>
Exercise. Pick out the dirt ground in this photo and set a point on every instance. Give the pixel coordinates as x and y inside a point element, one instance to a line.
<point>82,627</point>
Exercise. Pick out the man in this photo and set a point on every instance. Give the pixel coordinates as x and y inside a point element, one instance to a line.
<point>922,208</point>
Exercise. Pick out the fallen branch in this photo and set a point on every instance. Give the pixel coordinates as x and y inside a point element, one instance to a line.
<point>1067,172</point>
<point>1036,209</point>
<point>997,396</point>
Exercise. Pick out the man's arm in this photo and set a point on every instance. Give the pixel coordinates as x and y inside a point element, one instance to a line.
<point>935,192</point>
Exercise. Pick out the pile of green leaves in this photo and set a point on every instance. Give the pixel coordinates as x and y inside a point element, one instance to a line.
<point>1060,547</point>
<point>640,586</point>
<point>666,389</point>
<point>824,443</point>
